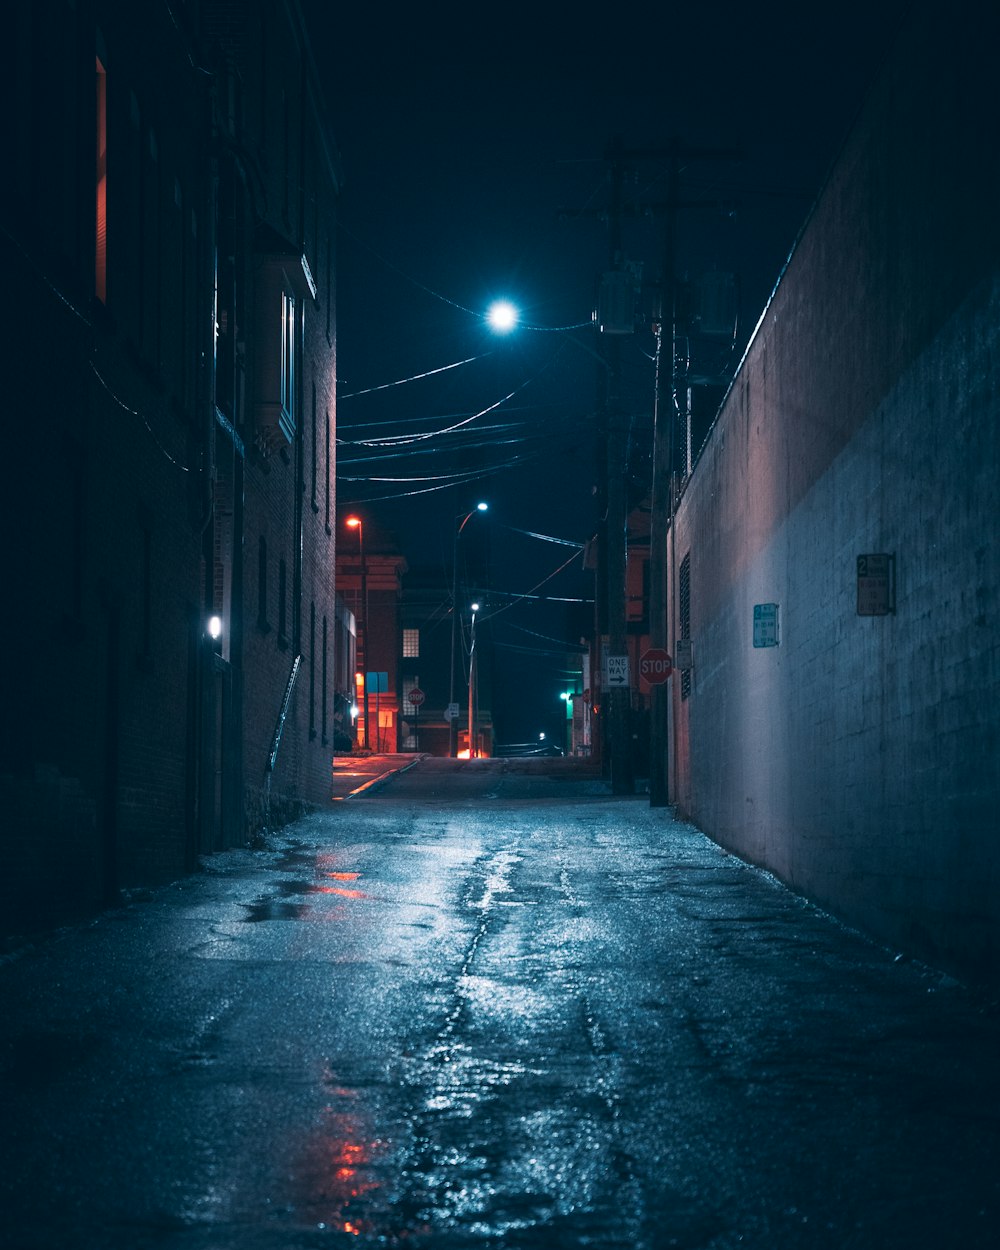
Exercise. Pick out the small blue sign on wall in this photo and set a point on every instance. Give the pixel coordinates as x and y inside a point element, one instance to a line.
<point>378,683</point>
<point>876,584</point>
<point>765,625</point>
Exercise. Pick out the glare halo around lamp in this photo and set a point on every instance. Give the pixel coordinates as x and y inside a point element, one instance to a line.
<point>502,316</point>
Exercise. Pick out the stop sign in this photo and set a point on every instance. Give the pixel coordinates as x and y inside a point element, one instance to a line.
<point>655,666</point>
<point>415,697</point>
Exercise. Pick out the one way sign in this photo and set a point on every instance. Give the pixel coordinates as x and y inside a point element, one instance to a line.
<point>616,674</point>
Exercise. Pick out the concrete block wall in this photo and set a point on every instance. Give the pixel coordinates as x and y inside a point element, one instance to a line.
<point>860,758</point>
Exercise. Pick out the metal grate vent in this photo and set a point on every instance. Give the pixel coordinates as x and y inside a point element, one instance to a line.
<point>684,596</point>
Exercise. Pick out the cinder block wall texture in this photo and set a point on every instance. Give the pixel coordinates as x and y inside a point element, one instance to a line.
<point>859,759</point>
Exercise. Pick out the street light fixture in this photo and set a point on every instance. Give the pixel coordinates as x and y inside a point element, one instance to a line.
<point>453,723</point>
<point>502,316</point>
<point>355,523</point>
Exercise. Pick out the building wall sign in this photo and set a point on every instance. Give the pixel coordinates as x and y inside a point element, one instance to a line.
<point>683,654</point>
<point>766,631</point>
<point>876,585</point>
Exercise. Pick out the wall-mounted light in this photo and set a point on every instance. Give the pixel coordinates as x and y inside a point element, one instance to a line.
<point>215,627</point>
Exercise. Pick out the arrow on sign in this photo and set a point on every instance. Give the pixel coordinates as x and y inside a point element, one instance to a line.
<point>616,671</point>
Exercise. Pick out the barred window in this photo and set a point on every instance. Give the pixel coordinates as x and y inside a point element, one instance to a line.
<point>411,644</point>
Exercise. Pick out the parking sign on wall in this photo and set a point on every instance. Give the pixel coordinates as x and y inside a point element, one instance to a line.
<point>765,625</point>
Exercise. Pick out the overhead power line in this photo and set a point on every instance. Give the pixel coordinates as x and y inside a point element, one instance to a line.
<point>415,377</point>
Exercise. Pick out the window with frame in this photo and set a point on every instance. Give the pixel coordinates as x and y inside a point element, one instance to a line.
<point>262,623</point>
<point>314,502</point>
<point>282,604</point>
<point>411,644</point>
<point>328,471</point>
<point>101,188</point>
<point>324,682</point>
<point>312,670</point>
<point>287,392</point>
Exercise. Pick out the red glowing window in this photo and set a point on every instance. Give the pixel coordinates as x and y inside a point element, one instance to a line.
<point>101,175</point>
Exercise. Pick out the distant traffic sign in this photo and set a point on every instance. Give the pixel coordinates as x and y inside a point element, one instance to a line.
<point>415,696</point>
<point>655,666</point>
<point>616,672</point>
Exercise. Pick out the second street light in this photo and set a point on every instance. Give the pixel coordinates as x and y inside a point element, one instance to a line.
<point>355,523</point>
<point>452,705</point>
<point>473,753</point>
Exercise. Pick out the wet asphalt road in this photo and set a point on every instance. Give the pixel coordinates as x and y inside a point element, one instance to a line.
<point>476,1008</point>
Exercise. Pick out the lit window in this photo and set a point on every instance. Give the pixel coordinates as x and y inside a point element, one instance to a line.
<point>101,173</point>
<point>411,644</point>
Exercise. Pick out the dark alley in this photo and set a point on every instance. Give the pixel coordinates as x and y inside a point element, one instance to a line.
<point>530,1016</point>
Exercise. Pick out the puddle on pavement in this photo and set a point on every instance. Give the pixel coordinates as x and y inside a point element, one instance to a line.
<point>330,879</point>
<point>275,909</point>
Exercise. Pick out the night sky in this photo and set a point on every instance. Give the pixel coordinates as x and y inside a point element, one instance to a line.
<point>472,143</point>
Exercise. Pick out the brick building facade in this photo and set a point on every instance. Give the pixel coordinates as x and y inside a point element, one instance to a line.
<point>374,601</point>
<point>171,368</point>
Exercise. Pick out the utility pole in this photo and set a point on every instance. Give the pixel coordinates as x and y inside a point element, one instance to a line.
<point>612,432</point>
<point>665,420</point>
<point>616,700</point>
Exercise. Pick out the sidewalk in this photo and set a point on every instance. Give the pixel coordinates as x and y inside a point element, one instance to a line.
<point>354,774</point>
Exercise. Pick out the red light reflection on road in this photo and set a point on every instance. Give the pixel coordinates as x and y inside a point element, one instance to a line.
<point>339,1170</point>
<point>328,867</point>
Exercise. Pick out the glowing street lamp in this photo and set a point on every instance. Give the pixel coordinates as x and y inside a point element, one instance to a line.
<point>472,684</point>
<point>502,316</point>
<point>453,726</point>
<point>355,523</point>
